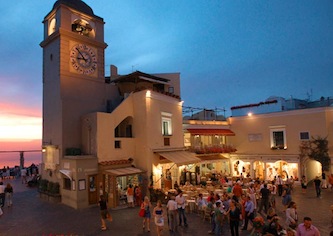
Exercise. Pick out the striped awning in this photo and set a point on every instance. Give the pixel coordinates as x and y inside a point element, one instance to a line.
<point>180,157</point>
<point>225,132</point>
<point>125,171</point>
<point>67,173</point>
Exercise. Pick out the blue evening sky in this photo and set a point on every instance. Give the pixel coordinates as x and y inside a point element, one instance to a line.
<point>229,53</point>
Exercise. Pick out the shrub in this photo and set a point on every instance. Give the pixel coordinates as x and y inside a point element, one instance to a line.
<point>49,186</point>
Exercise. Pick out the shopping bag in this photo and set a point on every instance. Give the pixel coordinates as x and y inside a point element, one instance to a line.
<point>142,212</point>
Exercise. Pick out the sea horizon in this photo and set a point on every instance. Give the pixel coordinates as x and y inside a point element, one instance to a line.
<point>10,152</point>
<point>13,159</point>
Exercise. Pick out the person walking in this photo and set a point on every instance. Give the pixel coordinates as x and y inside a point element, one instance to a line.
<point>24,176</point>
<point>146,205</point>
<point>252,193</point>
<point>279,183</point>
<point>306,228</point>
<point>234,217</point>
<point>2,194</point>
<point>286,196</point>
<point>304,184</point>
<point>237,190</point>
<point>9,194</point>
<point>158,217</point>
<point>138,196</point>
<point>172,213</point>
<point>273,190</point>
<point>249,212</point>
<point>324,182</point>
<point>291,215</point>
<point>180,199</point>
<point>219,214</point>
<point>104,213</point>
<point>317,183</point>
<point>264,202</point>
<point>130,196</point>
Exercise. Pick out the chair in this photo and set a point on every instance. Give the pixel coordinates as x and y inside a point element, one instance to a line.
<point>207,213</point>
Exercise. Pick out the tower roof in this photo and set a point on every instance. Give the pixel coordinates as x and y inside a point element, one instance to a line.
<point>77,5</point>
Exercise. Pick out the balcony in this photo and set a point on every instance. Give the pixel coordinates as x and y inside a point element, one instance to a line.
<point>213,149</point>
<point>279,147</point>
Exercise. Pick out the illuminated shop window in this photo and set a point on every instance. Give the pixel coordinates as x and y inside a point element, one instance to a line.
<point>278,138</point>
<point>166,124</point>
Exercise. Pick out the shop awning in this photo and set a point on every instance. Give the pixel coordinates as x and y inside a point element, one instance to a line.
<point>225,132</point>
<point>125,171</point>
<point>180,157</point>
<point>67,173</point>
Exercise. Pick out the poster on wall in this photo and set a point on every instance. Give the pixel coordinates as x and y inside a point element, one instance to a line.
<point>82,184</point>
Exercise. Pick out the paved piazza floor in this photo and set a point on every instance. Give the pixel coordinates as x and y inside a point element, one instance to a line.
<point>31,215</point>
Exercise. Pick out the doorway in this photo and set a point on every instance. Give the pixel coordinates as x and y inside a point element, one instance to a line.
<point>93,196</point>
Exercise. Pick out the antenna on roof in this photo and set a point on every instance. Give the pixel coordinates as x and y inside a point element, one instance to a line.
<point>133,66</point>
<point>309,95</point>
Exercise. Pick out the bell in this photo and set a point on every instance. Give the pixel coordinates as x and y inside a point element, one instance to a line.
<point>78,28</point>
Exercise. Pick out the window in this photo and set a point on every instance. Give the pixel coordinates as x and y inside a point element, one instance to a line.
<point>171,90</point>
<point>67,184</point>
<point>166,124</point>
<point>304,136</point>
<point>117,144</point>
<point>278,138</point>
<point>166,141</point>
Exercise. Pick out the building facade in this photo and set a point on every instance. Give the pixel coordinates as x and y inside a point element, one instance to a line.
<point>261,140</point>
<point>101,134</point>
<point>268,144</point>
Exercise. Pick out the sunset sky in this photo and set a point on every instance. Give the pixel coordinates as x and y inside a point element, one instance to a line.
<point>229,53</point>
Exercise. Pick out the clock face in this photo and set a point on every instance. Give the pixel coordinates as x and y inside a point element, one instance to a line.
<point>83,59</point>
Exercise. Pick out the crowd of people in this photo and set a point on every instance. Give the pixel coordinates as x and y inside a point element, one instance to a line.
<point>238,208</point>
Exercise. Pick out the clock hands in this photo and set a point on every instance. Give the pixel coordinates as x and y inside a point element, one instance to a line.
<point>82,56</point>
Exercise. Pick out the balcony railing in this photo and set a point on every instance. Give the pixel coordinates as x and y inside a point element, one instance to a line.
<point>213,149</point>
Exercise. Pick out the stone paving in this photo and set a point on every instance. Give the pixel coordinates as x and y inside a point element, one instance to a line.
<point>31,215</point>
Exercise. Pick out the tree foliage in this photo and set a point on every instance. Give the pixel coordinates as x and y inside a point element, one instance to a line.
<point>319,151</point>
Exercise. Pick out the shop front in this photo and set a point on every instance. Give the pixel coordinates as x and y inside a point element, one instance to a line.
<point>283,168</point>
<point>175,166</point>
<point>213,167</point>
<point>265,167</point>
<point>115,181</point>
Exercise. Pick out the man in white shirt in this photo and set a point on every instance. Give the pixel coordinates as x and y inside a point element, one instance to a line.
<point>24,175</point>
<point>180,199</point>
<point>172,213</point>
<point>279,183</point>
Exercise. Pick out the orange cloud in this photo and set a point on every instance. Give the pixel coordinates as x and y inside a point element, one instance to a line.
<point>19,122</point>
<point>19,109</point>
<point>20,145</point>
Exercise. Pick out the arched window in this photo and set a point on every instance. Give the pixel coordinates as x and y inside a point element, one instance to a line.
<point>83,27</point>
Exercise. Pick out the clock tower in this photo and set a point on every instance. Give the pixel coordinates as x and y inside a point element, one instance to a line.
<point>73,78</point>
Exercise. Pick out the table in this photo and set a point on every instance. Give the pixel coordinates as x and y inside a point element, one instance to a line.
<point>192,204</point>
